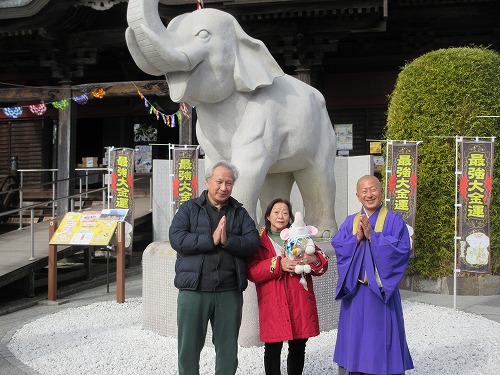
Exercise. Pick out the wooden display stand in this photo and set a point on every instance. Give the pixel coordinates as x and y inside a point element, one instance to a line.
<point>113,233</point>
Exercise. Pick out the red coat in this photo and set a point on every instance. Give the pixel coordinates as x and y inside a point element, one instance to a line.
<point>286,310</point>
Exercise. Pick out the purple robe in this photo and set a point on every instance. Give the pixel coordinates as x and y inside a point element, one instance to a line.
<point>371,335</point>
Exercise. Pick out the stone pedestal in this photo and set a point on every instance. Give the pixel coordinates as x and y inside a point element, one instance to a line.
<point>159,296</point>
<point>324,289</point>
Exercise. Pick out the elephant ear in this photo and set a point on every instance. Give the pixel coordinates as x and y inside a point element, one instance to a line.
<point>312,230</point>
<point>254,65</point>
<point>285,234</point>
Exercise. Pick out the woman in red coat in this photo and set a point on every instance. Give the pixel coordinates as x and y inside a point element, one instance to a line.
<point>287,309</point>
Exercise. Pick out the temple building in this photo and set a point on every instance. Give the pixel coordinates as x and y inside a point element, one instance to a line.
<point>69,87</point>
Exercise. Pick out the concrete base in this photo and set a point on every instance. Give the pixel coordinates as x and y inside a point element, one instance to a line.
<point>159,296</point>
<point>53,303</point>
<point>470,285</point>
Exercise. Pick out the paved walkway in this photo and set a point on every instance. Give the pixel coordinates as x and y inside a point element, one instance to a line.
<point>487,306</point>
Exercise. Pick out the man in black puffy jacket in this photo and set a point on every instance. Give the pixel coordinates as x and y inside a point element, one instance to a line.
<point>212,234</point>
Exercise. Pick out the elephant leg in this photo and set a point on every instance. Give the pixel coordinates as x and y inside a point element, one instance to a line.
<point>317,187</point>
<point>208,164</point>
<point>212,155</point>
<point>247,190</point>
<point>276,185</point>
<point>209,161</point>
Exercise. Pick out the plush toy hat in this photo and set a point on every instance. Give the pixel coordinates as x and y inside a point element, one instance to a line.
<point>298,229</point>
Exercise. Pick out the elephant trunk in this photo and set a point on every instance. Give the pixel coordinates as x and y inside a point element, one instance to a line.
<point>146,46</point>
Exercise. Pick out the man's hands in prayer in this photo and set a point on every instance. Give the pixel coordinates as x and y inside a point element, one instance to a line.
<point>220,235</point>
<point>364,229</point>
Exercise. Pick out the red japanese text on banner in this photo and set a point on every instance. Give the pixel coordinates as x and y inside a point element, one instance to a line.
<point>474,219</point>
<point>403,182</point>
<point>122,189</point>
<point>185,184</point>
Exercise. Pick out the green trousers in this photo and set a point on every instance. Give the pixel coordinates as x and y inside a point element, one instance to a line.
<point>194,310</point>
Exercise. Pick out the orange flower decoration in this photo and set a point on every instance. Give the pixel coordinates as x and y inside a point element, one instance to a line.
<point>99,93</point>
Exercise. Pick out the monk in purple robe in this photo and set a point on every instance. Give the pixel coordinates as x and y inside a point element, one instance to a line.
<point>372,249</point>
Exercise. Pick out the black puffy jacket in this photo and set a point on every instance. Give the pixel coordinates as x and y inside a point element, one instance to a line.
<point>190,235</point>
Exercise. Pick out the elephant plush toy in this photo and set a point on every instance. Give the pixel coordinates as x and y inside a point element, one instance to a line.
<point>273,127</point>
<point>297,241</point>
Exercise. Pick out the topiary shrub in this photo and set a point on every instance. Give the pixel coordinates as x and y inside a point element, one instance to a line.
<point>440,94</point>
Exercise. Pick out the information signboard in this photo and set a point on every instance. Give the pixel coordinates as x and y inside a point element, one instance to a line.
<point>92,228</point>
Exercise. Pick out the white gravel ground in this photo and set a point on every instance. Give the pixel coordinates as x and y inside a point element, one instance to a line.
<point>107,338</point>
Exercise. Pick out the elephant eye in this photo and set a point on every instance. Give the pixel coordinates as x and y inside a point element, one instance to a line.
<point>203,34</point>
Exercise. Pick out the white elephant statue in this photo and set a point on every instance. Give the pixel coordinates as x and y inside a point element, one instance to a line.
<point>273,127</point>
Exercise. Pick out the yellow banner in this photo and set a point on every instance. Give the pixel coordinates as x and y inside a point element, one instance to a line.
<point>186,175</point>
<point>475,192</point>
<point>122,189</point>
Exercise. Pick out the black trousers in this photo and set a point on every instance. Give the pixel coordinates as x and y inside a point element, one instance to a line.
<point>343,371</point>
<point>295,358</point>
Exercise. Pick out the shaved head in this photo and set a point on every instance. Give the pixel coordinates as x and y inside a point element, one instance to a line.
<point>370,178</point>
<point>369,193</point>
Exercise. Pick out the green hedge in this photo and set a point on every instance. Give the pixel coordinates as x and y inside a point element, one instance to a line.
<point>440,94</point>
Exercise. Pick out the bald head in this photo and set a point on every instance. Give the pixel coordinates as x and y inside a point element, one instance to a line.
<point>370,179</point>
<point>369,193</point>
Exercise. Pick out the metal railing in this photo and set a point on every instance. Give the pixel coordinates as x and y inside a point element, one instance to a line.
<point>83,191</point>
<point>32,207</point>
<point>53,183</point>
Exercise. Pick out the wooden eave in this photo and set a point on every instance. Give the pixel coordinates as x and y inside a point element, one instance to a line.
<point>113,89</point>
